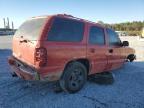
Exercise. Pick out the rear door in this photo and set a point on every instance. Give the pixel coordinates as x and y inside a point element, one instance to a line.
<point>64,43</point>
<point>115,56</point>
<point>97,49</point>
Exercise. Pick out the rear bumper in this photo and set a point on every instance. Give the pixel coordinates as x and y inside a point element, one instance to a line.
<point>20,70</point>
<point>29,73</point>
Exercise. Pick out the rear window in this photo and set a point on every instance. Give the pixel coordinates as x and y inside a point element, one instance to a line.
<point>31,29</point>
<point>66,30</point>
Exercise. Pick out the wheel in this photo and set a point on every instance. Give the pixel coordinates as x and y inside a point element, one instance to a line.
<point>74,77</point>
<point>102,78</point>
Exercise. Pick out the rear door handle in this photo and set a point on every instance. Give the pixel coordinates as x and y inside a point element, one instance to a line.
<point>110,50</point>
<point>92,50</point>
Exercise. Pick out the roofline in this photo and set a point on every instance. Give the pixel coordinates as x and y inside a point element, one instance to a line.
<point>67,16</point>
<point>80,19</point>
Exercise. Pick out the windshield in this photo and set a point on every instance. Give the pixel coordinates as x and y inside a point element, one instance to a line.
<point>31,29</point>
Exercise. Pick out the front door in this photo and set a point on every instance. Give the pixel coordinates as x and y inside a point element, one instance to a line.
<point>115,57</point>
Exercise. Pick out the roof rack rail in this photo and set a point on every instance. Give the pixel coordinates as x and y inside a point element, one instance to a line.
<point>65,15</point>
<point>70,16</point>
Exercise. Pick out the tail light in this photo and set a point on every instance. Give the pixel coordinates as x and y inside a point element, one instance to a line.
<point>41,56</point>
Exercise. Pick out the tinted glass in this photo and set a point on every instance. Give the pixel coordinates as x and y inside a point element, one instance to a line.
<point>97,36</point>
<point>66,30</point>
<point>31,28</point>
<point>113,37</point>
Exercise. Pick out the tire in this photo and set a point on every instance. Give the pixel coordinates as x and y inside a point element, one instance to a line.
<point>131,58</point>
<point>104,78</point>
<point>74,77</point>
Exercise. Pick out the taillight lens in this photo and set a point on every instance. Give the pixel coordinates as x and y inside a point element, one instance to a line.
<point>41,56</point>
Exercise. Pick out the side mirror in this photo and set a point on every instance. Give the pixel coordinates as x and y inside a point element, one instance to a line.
<point>125,43</point>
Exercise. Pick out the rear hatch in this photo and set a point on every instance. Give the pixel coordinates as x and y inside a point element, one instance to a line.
<point>26,38</point>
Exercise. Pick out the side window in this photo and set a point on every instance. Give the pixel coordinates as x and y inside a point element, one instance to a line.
<point>66,30</point>
<point>96,36</point>
<point>113,38</point>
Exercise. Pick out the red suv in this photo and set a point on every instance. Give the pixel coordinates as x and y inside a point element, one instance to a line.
<point>66,49</point>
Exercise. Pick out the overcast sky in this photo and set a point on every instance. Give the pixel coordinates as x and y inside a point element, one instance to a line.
<point>108,11</point>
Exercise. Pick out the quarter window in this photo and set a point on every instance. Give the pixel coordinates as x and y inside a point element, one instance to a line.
<point>97,36</point>
<point>66,30</point>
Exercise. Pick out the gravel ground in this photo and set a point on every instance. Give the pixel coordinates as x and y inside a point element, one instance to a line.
<point>126,92</point>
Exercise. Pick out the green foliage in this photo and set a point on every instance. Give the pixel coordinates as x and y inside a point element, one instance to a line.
<point>132,28</point>
<point>134,33</point>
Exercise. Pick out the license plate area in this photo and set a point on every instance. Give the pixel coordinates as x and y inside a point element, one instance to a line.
<point>24,68</point>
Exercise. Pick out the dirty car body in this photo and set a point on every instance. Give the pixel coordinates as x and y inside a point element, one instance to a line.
<point>44,46</point>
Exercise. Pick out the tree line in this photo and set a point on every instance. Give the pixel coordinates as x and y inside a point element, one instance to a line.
<point>132,28</point>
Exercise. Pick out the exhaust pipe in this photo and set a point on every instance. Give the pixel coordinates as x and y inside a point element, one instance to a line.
<point>14,74</point>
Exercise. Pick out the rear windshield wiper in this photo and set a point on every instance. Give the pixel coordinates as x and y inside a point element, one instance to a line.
<point>24,40</point>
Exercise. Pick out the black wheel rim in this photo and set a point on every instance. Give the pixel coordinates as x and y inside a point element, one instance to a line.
<point>76,79</point>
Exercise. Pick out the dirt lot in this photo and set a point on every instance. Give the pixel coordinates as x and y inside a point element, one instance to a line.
<point>126,92</point>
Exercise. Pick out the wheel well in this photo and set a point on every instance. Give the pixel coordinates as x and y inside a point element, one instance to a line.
<point>85,62</point>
